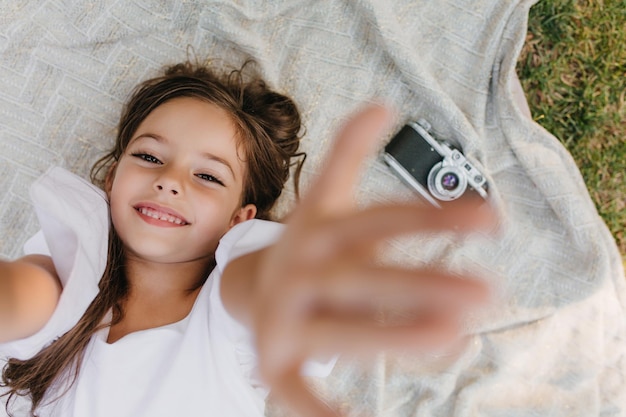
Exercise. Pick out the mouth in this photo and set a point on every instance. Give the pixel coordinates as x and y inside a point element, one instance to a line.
<point>160,216</point>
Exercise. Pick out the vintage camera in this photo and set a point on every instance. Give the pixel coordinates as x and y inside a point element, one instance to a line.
<point>436,170</point>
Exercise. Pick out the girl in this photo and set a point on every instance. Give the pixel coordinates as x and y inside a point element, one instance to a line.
<point>197,157</point>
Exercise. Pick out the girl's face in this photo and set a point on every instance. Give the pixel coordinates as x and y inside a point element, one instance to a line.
<point>178,186</point>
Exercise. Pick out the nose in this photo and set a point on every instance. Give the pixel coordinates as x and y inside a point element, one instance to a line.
<point>168,182</point>
<point>171,190</point>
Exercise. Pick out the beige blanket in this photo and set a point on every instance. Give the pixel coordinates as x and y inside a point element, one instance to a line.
<point>554,345</point>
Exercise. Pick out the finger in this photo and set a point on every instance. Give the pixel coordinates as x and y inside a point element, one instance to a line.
<point>393,219</point>
<point>365,337</point>
<point>370,226</point>
<point>357,139</point>
<point>400,289</point>
<point>290,389</point>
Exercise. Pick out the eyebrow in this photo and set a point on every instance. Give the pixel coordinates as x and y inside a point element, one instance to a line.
<point>206,155</point>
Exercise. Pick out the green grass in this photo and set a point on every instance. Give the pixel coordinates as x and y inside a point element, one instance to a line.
<point>573,70</point>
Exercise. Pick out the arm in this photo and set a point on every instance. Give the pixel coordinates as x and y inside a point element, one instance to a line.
<point>29,292</point>
<point>319,291</point>
<point>237,286</point>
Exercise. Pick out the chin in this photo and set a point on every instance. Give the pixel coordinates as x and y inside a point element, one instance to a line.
<point>167,254</point>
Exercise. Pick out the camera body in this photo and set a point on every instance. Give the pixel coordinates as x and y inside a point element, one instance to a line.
<point>437,171</point>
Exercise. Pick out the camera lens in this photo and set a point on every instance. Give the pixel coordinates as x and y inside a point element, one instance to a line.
<point>446,182</point>
<point>449,181</point>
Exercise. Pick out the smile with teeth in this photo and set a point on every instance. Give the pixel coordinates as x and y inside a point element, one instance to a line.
<point>155,214</point>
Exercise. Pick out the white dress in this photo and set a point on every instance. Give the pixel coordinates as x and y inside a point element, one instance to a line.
<point>201,365</point>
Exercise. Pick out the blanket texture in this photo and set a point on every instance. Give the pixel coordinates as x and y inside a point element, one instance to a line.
<point>554,344</point>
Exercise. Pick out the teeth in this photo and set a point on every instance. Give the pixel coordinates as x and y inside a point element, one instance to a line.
<point>161,216</point>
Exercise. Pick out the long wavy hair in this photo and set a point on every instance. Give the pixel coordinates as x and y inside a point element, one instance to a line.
<point>268,126</point>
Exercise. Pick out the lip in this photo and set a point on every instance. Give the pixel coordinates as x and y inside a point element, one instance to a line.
<point>158,215</point>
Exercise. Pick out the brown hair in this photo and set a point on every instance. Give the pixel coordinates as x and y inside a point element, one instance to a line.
<point>268,126</point>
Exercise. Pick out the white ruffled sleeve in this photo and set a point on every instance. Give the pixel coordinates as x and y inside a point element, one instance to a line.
<point>74,220</point>
<point>242,239</point>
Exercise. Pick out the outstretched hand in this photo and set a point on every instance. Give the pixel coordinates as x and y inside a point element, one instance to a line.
<point>319,290</point>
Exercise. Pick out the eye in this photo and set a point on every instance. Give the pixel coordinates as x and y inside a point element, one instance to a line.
<point>210,178</point>
<point>147,157</point>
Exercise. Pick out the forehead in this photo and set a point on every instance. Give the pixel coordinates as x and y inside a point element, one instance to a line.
<point>188,118</point>
<point>187,112</point>
<point>192,124</point>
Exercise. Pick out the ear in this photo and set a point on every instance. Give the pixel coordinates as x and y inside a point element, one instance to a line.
<point>108,180</point>
<point>246,212</point>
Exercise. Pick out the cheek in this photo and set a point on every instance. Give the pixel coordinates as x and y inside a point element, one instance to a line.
<point>114,202</point>
<point>126,181</point>
<point>214,219</point>
<point>119,194</point>
<point>115,214</point>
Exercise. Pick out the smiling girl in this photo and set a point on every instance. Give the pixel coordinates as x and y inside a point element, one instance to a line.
<point>196,308</point>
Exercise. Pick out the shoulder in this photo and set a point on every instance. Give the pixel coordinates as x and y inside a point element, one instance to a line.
<point>246,237</point>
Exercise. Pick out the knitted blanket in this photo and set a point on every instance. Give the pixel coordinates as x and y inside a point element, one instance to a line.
<point>554,344</point>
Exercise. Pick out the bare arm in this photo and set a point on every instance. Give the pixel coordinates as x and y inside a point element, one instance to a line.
<point>237,287</point>
<point>29,292</point>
